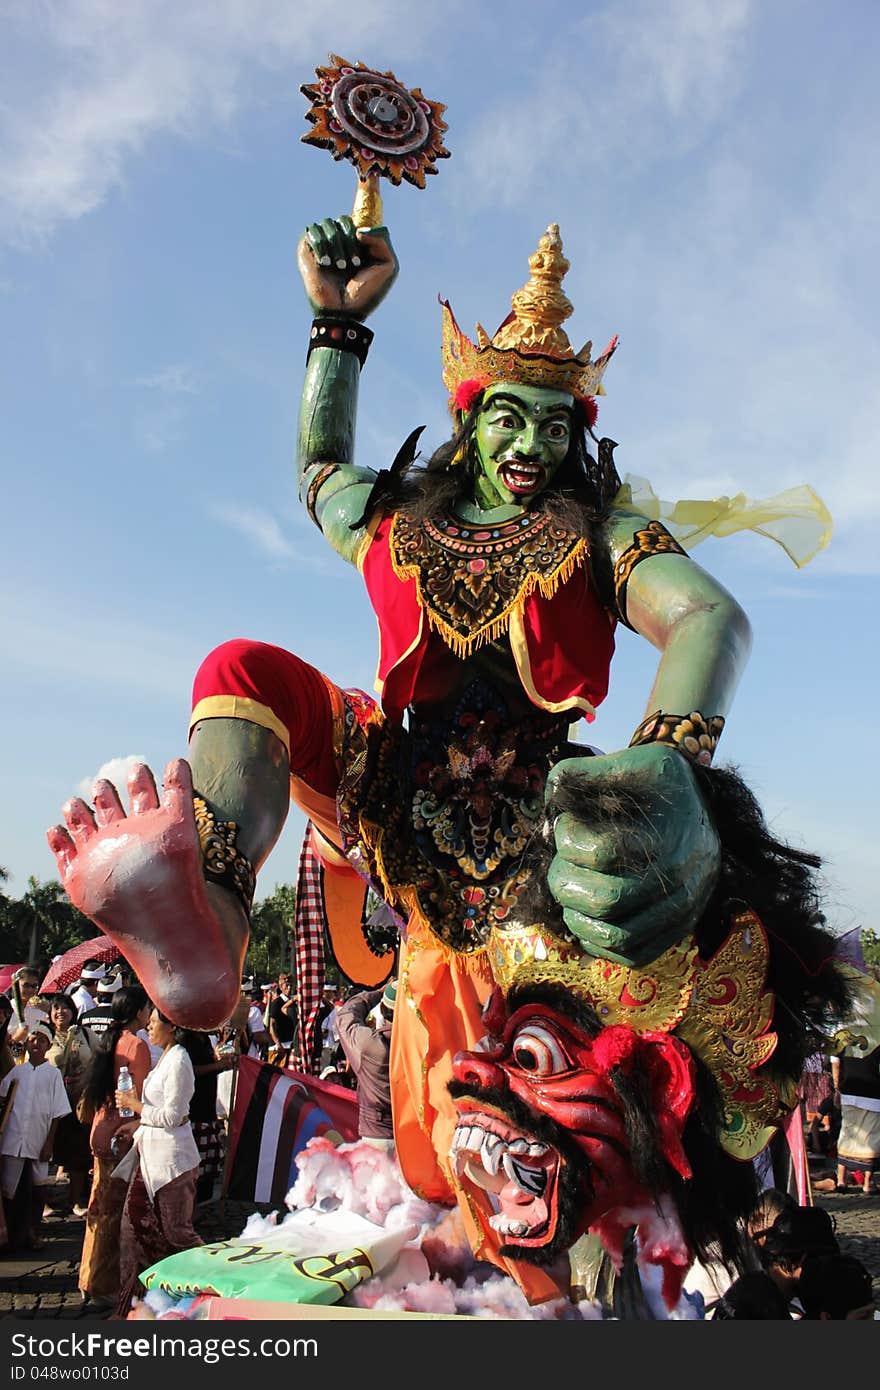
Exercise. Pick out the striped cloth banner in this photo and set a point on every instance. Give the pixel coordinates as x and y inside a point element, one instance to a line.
<point>274,1116</point>
<point>309,937</point>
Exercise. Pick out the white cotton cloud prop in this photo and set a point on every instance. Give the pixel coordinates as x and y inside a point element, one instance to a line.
<point>115,770</point>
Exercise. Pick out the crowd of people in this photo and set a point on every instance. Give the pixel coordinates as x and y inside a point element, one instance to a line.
<point>128,1108</point>
<point>131,1110</point>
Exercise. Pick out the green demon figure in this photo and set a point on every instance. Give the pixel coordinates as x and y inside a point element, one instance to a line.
<point>498,572</point>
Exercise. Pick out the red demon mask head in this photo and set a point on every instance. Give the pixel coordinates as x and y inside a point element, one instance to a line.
<point>565,1126</point>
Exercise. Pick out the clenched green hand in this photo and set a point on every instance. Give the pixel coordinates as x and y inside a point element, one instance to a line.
<point>637,855</point>
<point>346,270</point>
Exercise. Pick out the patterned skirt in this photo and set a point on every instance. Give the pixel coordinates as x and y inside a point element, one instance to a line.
<point>858,1146</point>
<point>99,1263</point>
<point>152,1230</point>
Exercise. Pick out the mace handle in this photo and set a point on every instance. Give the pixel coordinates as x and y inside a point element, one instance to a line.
<point>367,210</point>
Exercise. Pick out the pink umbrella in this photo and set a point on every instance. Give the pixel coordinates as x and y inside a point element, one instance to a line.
<point>66,969</point>
<point>7,972</point>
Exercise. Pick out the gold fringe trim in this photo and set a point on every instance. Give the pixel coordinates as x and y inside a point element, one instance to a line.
<point>462,646</point>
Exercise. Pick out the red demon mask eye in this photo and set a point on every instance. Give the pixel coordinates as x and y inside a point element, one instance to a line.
<point>537,1050</point>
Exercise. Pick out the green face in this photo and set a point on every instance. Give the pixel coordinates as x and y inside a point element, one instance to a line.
<point>523,434</point>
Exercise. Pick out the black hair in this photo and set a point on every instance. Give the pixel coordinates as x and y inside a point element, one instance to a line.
<point>834,1284</point>
<point>771,1203</point>
<point>68,1003</point>
<point>100,1077</point>
<point>753,1296</point>
<point>797,1233</point>
<point>179,1033</point>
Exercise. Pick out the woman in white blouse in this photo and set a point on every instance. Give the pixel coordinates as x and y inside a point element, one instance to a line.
<point>163,1164</point>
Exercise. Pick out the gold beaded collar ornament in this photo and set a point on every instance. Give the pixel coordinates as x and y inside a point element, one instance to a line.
<point>719,1007</point>
<point>531,347</point>
<point>384,130</point>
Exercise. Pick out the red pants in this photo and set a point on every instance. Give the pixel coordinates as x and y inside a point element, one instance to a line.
<point>275,689</point>
<point>444,994</point>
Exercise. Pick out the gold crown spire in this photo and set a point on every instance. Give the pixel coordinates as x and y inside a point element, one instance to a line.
<point>541,306</point>
<point>531,346</point>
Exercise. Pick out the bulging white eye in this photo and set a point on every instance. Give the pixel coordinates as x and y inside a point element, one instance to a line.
<point>536,1050</point>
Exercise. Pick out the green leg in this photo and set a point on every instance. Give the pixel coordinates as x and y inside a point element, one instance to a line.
<point>243,772</point>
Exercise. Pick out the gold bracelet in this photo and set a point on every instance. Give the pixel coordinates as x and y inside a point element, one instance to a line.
<point>222,863</point>
<point>325,471</point>
<point>653,540</point>
<point>692,734</point>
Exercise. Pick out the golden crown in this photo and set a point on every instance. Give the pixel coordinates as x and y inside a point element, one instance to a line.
<point>531,347</point>
<point>720,1007</point>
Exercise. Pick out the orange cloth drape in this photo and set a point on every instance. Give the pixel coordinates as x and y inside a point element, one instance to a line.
<point>439,1007</point>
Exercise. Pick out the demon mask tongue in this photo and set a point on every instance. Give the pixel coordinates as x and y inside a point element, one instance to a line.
<point>516,1174</point>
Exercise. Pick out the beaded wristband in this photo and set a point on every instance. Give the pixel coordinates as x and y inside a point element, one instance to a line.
<point>222,863</point>
<point>343,335</point>
<point>692,734</point>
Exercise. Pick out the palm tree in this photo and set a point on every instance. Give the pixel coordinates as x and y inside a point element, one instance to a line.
<point>43,922</point>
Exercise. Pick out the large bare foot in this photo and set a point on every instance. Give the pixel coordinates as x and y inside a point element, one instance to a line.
<point>139,878</point>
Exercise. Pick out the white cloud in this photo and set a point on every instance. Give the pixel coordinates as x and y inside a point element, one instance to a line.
<point>89,83</point>
<point>627,80</point>
<point>259,526</point>
<point>684,57</point>
<point>115,770</point>
<point>175,379</point>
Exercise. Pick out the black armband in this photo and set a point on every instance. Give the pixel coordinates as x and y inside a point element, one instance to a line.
<point>341,334</point>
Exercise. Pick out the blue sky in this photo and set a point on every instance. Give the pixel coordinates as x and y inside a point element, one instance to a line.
<point>712,165</point>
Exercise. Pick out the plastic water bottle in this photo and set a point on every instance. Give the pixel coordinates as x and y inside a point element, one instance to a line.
<point>125,1083</point>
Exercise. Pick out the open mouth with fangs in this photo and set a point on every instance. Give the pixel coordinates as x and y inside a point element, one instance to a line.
<point>522,479</point>
<point>511,1177</point>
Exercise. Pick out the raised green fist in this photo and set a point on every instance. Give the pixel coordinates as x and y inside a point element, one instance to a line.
<point>346,270</point>
<point>637,855</point>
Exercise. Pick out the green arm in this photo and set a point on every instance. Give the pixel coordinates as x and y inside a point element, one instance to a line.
<point>629,889</point>
<point>326,437</point>
<point>346,273</point>
<point>699,627</point>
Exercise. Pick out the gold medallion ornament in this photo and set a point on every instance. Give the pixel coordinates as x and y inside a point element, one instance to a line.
<point>531,347</point>
<point>384,130</point>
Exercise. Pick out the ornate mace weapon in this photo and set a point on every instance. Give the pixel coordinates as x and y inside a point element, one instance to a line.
<point>386,131</point>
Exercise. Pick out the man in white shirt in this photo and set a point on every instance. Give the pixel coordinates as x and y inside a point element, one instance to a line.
<point>38,1103</point>
<point>86,991</point>
<point>258,1037</point>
